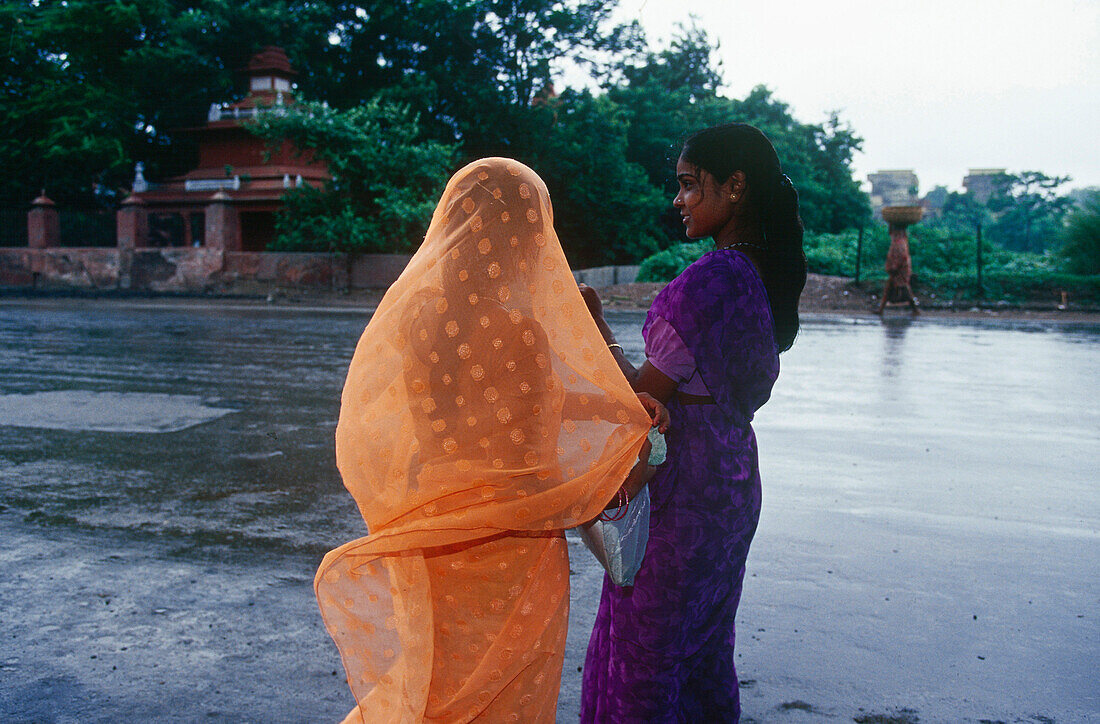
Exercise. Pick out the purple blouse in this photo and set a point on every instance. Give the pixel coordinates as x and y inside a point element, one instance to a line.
<point>667,352</point>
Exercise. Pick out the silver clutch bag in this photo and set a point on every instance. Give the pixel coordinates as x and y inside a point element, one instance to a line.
<point>619,545</point>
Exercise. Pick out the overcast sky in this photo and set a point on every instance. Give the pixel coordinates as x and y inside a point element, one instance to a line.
<point>937,86</point>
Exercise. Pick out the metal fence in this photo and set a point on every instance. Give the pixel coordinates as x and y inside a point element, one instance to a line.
<point>90,226</point>
<point>13,226</point>
<point>861,262</point>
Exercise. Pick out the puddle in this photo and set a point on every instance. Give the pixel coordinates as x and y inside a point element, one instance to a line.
<point>86,411</point>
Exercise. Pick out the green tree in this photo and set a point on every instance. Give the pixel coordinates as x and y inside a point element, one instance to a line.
<point>962,213</point>
<point>386,178</point>
<point>604,206</point>
<point>671,93</point>
<point>844,205</point>
<point>1081,239</point>
<point>1028,210</point>
<point>817,157</point>
<point>665,95</point>
<point>90,86</point>
<point>471,68</point>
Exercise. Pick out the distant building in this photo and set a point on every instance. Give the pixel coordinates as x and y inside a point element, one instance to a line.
<point>981,183</point>
<point>236,171</point>
<point>897,187</point>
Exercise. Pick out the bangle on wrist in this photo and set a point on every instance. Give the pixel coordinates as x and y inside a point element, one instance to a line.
<point>622,501</point>
<point>613,345</point>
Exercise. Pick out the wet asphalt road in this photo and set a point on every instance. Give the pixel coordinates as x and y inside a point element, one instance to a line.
<point>929,546</point>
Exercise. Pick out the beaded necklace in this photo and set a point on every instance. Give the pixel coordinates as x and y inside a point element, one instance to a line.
<point>743,243</point>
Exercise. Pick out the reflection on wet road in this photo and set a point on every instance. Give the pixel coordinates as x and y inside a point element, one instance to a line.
<point>259,472</point>
<point>930,498</point>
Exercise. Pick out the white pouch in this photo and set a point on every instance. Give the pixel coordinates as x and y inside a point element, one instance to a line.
<point>619,545</point>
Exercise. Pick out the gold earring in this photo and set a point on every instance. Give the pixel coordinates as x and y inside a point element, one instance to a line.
<point>733,197</point>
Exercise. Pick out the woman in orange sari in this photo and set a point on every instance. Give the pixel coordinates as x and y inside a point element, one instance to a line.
<point>482,415</point>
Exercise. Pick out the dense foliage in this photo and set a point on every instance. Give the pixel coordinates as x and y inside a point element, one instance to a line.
<point>89,87</point>
<point>945,263</point>
<point>1081,241</point>
<point>1025,212</point>
<point>415,88</point>
<point>386,178</point>
<point>667,264</point>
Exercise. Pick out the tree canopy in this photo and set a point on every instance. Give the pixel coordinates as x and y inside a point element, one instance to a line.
<point>1081,241</point>
<point>386,178</point>
<point>89,87</point>
<point>1025,211</point>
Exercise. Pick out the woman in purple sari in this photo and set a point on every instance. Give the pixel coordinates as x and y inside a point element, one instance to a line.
<point>662,650</point>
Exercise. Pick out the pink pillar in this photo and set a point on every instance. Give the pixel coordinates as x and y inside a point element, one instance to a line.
<point>131,223</point>
<point>222,227</point>
<point>43,224</point>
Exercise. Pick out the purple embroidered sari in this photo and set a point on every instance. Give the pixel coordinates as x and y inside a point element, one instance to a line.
<point>662,650</point>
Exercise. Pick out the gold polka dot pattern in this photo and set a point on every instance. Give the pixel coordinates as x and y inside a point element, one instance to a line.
<point>461,418</point>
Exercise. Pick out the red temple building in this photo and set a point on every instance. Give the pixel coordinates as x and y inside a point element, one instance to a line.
<point>229,200</point>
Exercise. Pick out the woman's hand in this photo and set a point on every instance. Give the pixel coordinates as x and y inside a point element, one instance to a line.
<point>638,476</point>
<point>657,412</point>
<point>592,300</point>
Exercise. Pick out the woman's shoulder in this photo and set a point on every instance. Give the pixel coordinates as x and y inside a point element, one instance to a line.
<point>725,262</point>
<point>719,284</point>
<point>716,272</point>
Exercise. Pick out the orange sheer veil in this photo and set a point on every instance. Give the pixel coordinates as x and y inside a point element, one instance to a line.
<point>481,415</point>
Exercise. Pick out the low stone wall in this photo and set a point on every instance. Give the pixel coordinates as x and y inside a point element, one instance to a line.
<point>179,270</point>
<point>191,270</point>
<point>606,276</point>
<point>66,268</point>
<point>286,269</point>
<point>377,271</point>
<point>171,270</point>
